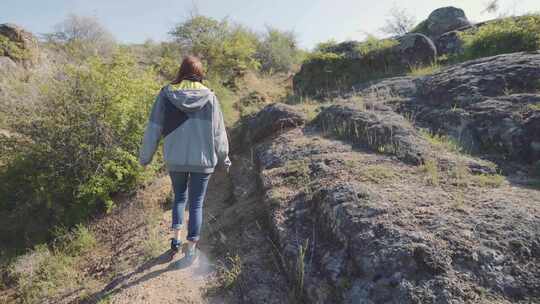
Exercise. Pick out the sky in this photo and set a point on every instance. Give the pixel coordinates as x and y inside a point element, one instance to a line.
<point>313,21</point>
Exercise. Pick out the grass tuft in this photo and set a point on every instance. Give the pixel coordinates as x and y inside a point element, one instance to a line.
<point>431,169</point>
<point>424,70</point>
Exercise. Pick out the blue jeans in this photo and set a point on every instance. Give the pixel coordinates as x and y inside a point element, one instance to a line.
<point>198,183</point>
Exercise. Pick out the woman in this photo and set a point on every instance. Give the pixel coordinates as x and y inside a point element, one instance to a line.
<point>187,114</point>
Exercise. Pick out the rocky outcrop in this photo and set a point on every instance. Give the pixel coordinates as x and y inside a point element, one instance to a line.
<point>320,76</point>
<point>491,104</point>
<point>415,49</point>
<point>443,20</point>
<point>475,80</point>
<point>272,119</point>
<point>380,130</point>
<point>449,44</point>
<point>18,44</point>
<point>350,231</point>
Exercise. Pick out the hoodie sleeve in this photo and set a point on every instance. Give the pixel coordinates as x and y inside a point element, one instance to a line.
<point>152,134</point>
<point>221,142</point>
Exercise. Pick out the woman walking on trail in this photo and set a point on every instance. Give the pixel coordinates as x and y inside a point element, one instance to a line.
<point>187,114</point>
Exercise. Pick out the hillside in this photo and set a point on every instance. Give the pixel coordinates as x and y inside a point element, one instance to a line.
<point>401,170</point>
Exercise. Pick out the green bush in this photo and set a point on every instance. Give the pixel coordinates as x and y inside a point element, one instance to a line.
<point>278,51</point>
<point>501,37</point>
<point>44,272</point>
<point>228,50</point>
<point>372,45</point>
<point>76,148</point>
<point>12,49</point>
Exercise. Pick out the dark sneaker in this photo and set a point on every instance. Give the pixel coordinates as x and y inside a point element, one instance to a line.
<point>175,246</point>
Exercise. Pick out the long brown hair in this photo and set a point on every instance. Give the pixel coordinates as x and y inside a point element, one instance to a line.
<point>191,69</point>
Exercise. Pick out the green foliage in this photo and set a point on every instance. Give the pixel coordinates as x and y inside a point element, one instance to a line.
<point>442,141</point>
<point>228,50</point>
<point>46,273</point>
<point>12,49</point>
<point>424,70</point>
<point>488,180</point>
<point>333,67</point>
<point>503,36</point>
<point>322,57</point>
<point>326,46</point>
<point>277,51</point>
<point>431,171</point>
<point>77,148</point>
<point>372,45</point>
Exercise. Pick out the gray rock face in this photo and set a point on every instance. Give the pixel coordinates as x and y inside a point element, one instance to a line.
<point>445,19</point>
<point>272,119</point>
<point>449,43</point>
<point>489,104</point>
<point>384,131</point>
<point>415,49</point>
<point>475,80</point>
<point>25,43</point>
<point>392,241</point>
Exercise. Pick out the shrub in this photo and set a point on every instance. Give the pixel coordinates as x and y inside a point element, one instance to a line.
<point>424,70</point>
<point>278,51</point>
<point>77,148</point>
<point>372,45</point>
<point>228,50</point>
<point>503,36</point>
<point>443,142</point>
<point>45,273</point>
<point>12,49</point>
<point>431,171</point>
<point>323,57</point>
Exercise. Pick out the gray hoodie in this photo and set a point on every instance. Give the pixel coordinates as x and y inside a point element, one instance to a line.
<point>191,122</point>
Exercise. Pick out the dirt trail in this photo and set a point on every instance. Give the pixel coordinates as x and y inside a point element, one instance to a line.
<point>160,280</point>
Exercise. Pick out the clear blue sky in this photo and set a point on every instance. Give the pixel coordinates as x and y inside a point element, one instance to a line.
<point>313,20</point>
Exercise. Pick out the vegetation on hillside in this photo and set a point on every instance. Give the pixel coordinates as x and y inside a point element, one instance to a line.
<point>502,36</point>
<point>75,127</point>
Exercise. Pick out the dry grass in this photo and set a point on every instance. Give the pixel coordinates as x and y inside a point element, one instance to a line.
<point>424,70</point>
<point>230,271</point>
<point>442,142</point>
<point>47,273</point>
<point>488,180</point>
<point>431,170</point>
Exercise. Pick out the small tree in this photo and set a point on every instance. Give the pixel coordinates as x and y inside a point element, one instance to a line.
<point>278,50</point>
<point>399,22</point>
<point>491,7</point>
<point>228,49</point>
<point>83,35</point>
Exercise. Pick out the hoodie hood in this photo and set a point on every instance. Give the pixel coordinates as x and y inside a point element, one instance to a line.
<point>188,100</point>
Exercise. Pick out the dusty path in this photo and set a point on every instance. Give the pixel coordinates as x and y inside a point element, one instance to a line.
<point>160,280</point>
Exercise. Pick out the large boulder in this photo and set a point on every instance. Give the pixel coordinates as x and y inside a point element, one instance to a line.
<point>415,49</point>
<point>18,44</point>
<point>449,43</point>
<point>324,76</point>
<point>272,119</point>
<point>443,20</point>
